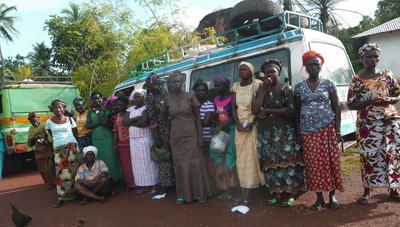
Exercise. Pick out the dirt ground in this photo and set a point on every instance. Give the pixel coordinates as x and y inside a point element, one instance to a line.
<point>26,191</point>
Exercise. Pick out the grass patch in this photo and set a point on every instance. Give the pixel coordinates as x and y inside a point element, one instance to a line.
<point>350,151</point>
<point>350,165</point>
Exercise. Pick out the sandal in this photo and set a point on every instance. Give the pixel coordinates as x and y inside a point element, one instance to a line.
<point>289,203</point>
<point>237,202</point>
<point>271,202</point>
<point>363,200</point>
<point>317,206</point>
<point>246,203</point>
<point>85,201</point>
<point>201,201</point>
<point>395,196</point>
<point>153,193</point>
<point>224,197</point>
<point>180,201</point>
<point>140,191</point>
<point>334,204</point>
<point>58,203</point>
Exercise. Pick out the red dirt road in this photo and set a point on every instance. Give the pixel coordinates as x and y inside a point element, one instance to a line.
<point>26,191</point>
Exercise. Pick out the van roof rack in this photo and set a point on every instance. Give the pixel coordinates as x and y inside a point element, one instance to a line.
<point>289,20</point>
<point>12,79</point>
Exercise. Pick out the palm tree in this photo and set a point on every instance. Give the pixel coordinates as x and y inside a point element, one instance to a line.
<point>326,11</point>
<point>7,29</point>
<point>40,59</point>
<point>293,5</point>
<point>74,14</point>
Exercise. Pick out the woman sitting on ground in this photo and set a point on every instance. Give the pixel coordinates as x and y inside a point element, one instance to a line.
<point>91,180</point>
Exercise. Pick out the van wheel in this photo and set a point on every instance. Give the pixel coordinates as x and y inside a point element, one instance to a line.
<point>247,11</point>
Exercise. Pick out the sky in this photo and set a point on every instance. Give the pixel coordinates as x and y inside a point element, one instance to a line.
<point>33,14</point>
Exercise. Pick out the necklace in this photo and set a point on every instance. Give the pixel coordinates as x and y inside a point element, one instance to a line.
<point>271,94</point>
<point>313,84</point>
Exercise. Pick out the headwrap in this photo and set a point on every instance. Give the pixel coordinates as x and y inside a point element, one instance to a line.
<point>154,79</point>
<point>123,99</point>
<point>272,62</point>
<point>223,80</point>
<point>67,109</point>
<point>32,115</point>
<point>199,82</point>
<point>78,100</point>
<point>248,64</point>
<point>141,91</point>
<point>95,93</point>
<point>312,54</point>
<point>90,148</point>
<point>367,47</point>
<point>109,101</point>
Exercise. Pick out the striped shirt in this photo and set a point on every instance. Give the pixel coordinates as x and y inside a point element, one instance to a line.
<point>207,107</point>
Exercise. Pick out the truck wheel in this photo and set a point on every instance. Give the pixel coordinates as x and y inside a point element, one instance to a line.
<point>8,164</point>
<point>247,11</point>
<point>18,163</point>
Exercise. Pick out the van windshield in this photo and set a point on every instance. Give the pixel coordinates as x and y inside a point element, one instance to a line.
<point>38,99</point>
<point>337,65</point>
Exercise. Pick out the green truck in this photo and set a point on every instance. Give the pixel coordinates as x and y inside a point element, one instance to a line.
<point>17,99</point>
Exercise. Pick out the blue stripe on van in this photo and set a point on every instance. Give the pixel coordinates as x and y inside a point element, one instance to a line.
<point>347,129</point>
<point>220,55</point>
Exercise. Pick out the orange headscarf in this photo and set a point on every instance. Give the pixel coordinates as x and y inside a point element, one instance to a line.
<point>312,54</point>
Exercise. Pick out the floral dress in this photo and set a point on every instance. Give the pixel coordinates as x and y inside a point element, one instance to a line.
<point>281,159</point>
<point>378,137</point>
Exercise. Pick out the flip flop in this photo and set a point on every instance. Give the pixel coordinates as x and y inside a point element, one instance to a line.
<point>201,201</point>
<point>317,206</point>
<point>363,200</point>
<point>85,201</point>
<point>246,203</point>
<point>180,201</point>
<point>153,193</point>
<point>289,203</point>
<point>237,202</point>
<point>271,202</point>
<point>224,197</point>
<point>140,191</point>
<point>334,205</point>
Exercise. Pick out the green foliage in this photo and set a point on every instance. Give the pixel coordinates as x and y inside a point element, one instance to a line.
<point>387,10</point>
<point>40,60</point>
<point>7,29</point>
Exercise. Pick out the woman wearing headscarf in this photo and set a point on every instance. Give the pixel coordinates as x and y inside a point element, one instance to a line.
<point>121,141</point>
<point>92,178</point>
<point>281,159</point>
<point>160,129</point>
<point>84,134</point>
<point>186,143</point>
<point>98,119</point>
<point>247,163</point>
<point>318,125</point>
<point>145,170</point>
<point>39,138</point>
<point>64,132</point>
<point>373,94</point>
<point>222,166</point>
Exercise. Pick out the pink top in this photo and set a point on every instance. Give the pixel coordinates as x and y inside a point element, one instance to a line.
<point>221,110</point>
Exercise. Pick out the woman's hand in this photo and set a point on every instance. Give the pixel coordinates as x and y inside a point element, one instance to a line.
<point>374,102</point>
<point>386,101</point>
<point>200,142</point>
<point>248,127</point>
<point>339,137</point>
<point>264,112</point>
<point>116,148</point>
<point>239,128</point>
<point>215,130</point>
<point>300,140</point>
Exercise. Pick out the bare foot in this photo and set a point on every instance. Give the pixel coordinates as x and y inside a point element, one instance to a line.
<point>103,199</point>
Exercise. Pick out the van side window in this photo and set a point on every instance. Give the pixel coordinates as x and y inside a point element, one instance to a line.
<point>281,55</point>
<point>337,66</point>
<point>208,74</point>
<point>165,85</point>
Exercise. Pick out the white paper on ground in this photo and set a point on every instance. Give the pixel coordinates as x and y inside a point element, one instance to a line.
<point>159,196</point>
<point>241,209</point>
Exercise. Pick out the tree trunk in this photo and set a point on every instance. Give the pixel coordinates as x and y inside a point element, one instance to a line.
<point>2,63</point>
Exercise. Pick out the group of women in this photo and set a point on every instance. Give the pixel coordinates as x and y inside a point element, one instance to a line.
<point>285,139</point>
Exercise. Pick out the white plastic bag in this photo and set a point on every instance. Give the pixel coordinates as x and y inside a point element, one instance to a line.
<point>219,142</point>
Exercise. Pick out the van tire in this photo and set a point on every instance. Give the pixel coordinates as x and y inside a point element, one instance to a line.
<point>248,10</point>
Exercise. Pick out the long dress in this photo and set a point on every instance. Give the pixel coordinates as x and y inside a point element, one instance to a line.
<point>378,131</point>
<point>103,140</point>
<point>124,150</point>
<point>222,166</point>
<point>166,177</point>
<point>281,158</point>
<point>66,153</point>
<point>190,171</point>
<point>320,145</point>
<point>247,162</point>
<point>145,170</point>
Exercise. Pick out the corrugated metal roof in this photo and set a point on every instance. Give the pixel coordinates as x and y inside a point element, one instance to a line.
<point>389,26</point>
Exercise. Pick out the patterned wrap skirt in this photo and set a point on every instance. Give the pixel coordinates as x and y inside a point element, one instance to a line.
<point>66,165</point>
<point>322,160</point>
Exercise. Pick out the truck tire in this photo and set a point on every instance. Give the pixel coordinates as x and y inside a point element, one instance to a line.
<point>303,21</point>
<point>247,11</point>
<point>18,163</point>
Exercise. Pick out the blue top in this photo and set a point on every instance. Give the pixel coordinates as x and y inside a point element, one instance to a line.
<point>316,109</point>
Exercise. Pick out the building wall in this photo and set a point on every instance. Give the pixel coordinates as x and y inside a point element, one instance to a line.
<point>390,51</point>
